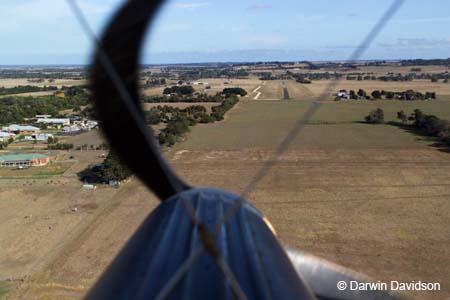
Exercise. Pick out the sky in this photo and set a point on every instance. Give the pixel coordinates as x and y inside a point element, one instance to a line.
<point>45,32</point>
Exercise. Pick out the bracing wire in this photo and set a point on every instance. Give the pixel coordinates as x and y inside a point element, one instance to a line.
<point>266,166</point>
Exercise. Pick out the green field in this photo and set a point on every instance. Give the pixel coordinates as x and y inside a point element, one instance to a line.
<point>3,290</point>
<point>262,124</point>
<point>40,172</point>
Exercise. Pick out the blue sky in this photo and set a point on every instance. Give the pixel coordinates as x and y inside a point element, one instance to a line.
<point>45,31</point>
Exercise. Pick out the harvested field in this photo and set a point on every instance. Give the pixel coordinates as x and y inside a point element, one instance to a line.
<point>156,91</point>
<point>33,94</point>
<point>298,91</point>
<point>9,83</point>
<point>217,85</point>
<point>441,89</point>
<point>52,169</point>
<point>374,198</point>
<point>383,212</point>
<point>68,259</point>
<point>271,90</point>
<point>93,137</point>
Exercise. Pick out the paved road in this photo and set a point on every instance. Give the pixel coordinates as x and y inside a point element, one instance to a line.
<point>285,91</point>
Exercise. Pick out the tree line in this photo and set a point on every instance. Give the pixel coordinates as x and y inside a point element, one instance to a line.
<point>361,76</point>
<point>180,99</point>
<point>430,125</point>
<point>177,125</point>
<point>177,122</point>
<point>15,109</point>
<point>408,95</point>
<point>426,124</point>
<point>20,89</point>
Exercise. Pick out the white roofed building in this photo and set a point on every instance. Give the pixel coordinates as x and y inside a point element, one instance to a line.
<point>6,136</point>
<point>54,121</point>
<point>19,129</point>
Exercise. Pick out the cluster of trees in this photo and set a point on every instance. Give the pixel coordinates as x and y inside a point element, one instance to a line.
<point>211,72</point>
<point>375,117</point>
<point>15,109</point>
<point>155,82</point>
<point>265,75</point>
<point>60,146</point>
<point>234,91</point>
<point>112,169</point>
<point>430,125</point>
<point>197,97</point>
<point>218,112</point>
<point>407,95</point>
<point>86,147</point>
<point>181,119</point>
<point>426,62</point>
<point>303,80</point>
<point>193,98</point>
<point>176,127</point>
<point>78,91</point>
<point>308,77</point>
<point>163,114</point>
<point>26,89</point>
<point>183,90</point>
<point>445,76</point>
<point>5,144</point>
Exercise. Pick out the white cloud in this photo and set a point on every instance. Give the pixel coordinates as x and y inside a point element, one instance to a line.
<point>190,5</point>
<point>422,20</point>
<point>260,6</point>
<point>42,9</point>
<point>416,43</point>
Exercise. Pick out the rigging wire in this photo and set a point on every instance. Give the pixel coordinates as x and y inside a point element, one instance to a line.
<point>268,165</point>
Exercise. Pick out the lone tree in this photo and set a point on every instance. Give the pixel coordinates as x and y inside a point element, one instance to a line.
<point>376,94</point>
<point>402,116</point>
<point>113,169</point>
<point>362,93</point>
<point>375,116</point>
<point>234,91</point>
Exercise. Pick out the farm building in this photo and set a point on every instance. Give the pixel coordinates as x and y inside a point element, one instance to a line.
<point>19,129</point>
<point>39,137</point>
<point>24,160</point>
<point>42,116</point>
<point>73,129</point>
<point>85,124</point>
<point>343,94</point>
<point>53,121</point>
<point>5,136</point>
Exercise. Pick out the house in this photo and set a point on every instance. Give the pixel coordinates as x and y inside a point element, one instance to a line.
<point>54,121</point>
<point>85,124</point>
<point>6,136</point>
<point>71,129</point>
<point>42,137</point>
<point>23,160</point>
<point>42,116</point>
<point>343,94</point>
<point>19,129</point>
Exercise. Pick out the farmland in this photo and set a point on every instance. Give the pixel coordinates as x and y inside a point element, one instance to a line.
<point>360,195</point>
<point>374,198</point>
